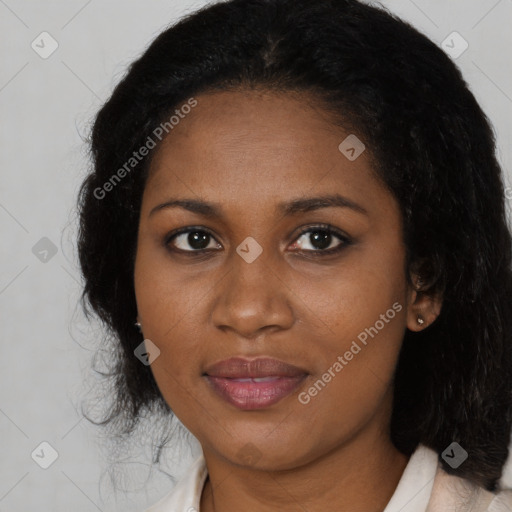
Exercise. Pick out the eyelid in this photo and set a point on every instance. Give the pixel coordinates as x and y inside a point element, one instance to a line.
<point>189,229</point>
<point>345,239</point>
<point>325,227</point>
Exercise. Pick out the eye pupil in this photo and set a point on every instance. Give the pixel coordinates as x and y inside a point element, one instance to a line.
<point>198,239</point>
<point>321,241</point>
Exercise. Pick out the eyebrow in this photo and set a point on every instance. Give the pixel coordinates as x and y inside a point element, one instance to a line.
<point>300,205</point>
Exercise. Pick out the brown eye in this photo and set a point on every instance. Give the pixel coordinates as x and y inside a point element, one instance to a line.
<point>321,239</point>
<point>191,240</point>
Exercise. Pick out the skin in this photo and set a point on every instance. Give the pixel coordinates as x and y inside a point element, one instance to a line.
<point>249,151</point>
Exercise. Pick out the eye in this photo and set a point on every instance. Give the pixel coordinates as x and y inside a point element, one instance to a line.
<point>197,238</point>
<point>322,239</point>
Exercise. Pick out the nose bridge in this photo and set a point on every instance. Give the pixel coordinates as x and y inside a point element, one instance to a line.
<point>252,296</point>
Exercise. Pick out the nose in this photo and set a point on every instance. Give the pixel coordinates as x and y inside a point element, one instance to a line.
<point>252,297</point>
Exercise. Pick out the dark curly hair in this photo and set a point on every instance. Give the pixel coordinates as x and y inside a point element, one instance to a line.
<point>431,144</point>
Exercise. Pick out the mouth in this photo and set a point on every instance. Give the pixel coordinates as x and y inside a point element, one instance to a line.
<point>253,384</point>
<point>256,393</point>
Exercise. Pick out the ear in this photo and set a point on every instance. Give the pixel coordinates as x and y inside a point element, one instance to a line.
<point>423,306</point>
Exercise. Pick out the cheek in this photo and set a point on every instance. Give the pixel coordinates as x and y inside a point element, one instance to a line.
<point>170,306</point>
<point>358,364</point>
<point>359,315</point>
<point>346,299</point>
<point>163,297</point>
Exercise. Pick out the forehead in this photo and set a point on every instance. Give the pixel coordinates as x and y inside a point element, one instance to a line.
<point>258,146</point>
<point>224,124</point>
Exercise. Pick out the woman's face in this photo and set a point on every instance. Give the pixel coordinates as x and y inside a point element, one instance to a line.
<point>249,284</point>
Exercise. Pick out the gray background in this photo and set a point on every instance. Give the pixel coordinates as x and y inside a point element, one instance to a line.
<point>46,108</point>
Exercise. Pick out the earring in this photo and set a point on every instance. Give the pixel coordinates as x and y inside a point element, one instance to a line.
<point>139,326</point>
<point>420,320</point>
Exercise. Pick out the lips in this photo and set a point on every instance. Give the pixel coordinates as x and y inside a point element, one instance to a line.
<point>254,384</point>
<point>241,368</point>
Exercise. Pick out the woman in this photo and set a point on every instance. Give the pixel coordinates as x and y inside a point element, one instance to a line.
<point>299,205</point>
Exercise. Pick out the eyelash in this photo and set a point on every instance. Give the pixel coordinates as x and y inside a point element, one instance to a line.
<point>345,240</point>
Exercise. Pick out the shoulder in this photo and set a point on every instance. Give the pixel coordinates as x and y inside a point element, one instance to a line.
<point>455,494</point>
<point>501,502</point>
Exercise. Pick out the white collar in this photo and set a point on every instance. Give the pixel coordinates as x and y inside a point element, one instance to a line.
<point>415,485</point>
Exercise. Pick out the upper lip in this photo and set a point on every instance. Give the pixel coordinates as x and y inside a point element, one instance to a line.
<point>240,367</point>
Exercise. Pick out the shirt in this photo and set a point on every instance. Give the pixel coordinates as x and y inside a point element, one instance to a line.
<point>423,487</point>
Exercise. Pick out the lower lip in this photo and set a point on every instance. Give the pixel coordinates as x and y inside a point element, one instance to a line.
<point>254,395</point>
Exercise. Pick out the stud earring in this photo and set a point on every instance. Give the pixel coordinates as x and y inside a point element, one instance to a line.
<point>420,320</point>
<point>139,326</point>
